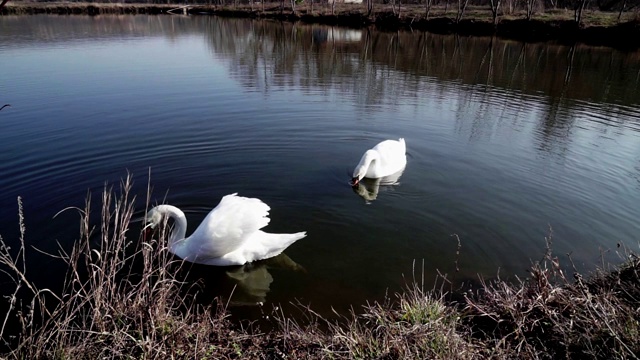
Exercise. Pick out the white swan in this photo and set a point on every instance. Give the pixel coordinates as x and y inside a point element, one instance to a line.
<point>384,159</point>
<point>229,235</point>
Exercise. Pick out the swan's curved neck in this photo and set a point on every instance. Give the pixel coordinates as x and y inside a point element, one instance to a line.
<point>369,157</point>
<point>365,162</point>
<point>180,224</point>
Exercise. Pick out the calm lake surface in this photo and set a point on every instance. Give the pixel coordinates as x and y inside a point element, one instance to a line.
<point>505,141</point>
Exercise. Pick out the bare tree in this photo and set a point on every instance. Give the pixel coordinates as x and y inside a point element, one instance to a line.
<point>508,7</point>
<point>624,4</point>
<point>529,8</point>
<point>369,7</point>
<point>427,10</point>
<point>462,6</point>
<point>495,8</point>
<point>577,16</point>
<point>3,3</point>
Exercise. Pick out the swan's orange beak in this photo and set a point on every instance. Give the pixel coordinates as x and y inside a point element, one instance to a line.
<point>355,181</point>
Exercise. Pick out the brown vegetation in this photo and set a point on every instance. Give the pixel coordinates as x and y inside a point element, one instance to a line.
<point>532,20</point>
<point>122,299</point>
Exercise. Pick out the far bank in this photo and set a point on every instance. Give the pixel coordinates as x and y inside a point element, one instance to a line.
<point>598,28</point>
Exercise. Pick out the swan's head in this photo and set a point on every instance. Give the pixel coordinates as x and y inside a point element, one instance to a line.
<point>153,218</point>
<point>363,166</point>
<point>358,174</point>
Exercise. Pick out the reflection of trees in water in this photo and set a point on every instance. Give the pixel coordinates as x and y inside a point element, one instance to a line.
<point>300,55</point>
<point>51,29</point>
<point>492,77</point>
<point>558,118</point>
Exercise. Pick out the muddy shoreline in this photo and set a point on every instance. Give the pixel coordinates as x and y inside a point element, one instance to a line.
<point>623,35</point>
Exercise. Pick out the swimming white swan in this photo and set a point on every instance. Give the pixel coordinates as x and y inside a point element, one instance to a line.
<point>384,159</point>
<point>229,235</point>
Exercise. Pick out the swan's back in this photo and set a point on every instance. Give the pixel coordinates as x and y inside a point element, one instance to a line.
<point>391,158</point>
<point>395,149</point>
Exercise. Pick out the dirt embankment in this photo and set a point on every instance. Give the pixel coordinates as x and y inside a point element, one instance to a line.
<point>597,28</point>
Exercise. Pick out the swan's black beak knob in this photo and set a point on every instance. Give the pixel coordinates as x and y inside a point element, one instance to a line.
<point>355,182</point>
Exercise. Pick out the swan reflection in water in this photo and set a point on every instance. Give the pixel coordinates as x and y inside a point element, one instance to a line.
<point>246,285</point>
<point>368,188</point>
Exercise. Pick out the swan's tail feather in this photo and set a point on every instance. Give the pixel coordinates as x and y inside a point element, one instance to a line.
<point>275,244</point>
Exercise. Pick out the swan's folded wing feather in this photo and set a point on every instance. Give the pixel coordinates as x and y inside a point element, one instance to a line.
<point>392,154</point>
<point>229,225</point>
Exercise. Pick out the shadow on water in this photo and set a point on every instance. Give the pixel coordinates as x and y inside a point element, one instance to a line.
<point>246,285</point>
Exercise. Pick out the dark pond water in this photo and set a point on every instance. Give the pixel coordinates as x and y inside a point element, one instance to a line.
<point>505,140</point>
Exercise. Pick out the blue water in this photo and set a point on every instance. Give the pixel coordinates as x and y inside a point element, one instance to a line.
<point>506,141</point>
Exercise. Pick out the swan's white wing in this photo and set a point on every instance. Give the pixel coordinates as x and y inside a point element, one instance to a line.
<point>228,226</point>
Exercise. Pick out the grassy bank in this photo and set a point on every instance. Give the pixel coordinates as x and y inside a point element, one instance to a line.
<point>122,298</point>
<point>614,28</point>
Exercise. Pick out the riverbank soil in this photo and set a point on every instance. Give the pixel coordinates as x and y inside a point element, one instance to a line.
<point>610,28</point>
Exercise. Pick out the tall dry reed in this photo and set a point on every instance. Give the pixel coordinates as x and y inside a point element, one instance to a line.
<point>120,296</point>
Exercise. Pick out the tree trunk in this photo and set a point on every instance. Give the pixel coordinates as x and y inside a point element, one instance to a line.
<point>462,6</point>
<point>579,10</point>
<point>624,4</point>
<point>495,8</point>
<point>529,4</point>
<point>427,9</point>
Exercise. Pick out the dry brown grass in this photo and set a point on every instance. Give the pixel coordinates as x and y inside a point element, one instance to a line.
<point>550,316</point>
<point>122,299</point>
